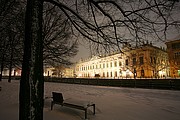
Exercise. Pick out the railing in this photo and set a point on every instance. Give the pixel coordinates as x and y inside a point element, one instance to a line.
<point>169,84</point>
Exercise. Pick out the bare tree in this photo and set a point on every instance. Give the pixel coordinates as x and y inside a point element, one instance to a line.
<point>117,22</point>
<point>158,63</point>
<point>59,44</point>
<point>58,71</point>
<point>5,13</point>
<point>3,49</point>
<point>146,58</point>
<point>9,15</point>
<point>101,21</point>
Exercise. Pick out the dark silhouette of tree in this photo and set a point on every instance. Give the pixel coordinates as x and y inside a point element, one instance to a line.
<point>114,23</point>
<point>59,44</point>
<point>10,13</point>
<point>3,49</point>
<point>101,21</point>
<point>32,80</point>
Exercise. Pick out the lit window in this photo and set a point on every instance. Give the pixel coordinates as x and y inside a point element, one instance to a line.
<point>115,74</point>
<point>115,64</point>
<point>103,65</point>
<point>111,64</point>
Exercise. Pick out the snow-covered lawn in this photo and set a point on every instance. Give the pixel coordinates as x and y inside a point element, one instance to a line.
<point>112,103</point>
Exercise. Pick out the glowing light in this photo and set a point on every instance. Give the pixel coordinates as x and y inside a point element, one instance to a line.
<point>124,73</point>
<point>80,75</point>
<point>161,73</point>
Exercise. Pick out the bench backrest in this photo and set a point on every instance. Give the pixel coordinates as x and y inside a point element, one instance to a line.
<point>57,97</point>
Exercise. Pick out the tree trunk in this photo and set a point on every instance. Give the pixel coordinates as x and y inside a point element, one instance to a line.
<point>32,80</point>
<point>2,67</point>
<point>10,70</point>
<point>11,60</point>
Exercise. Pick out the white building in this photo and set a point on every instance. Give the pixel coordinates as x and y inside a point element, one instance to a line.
<point>145,61</point>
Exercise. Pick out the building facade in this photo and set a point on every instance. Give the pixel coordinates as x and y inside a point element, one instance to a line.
<point>173,49</point>
<point>146,61</point>
<point>65,72</point>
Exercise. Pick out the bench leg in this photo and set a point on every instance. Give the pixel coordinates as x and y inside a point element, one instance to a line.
<point>85,113</point>
<point>52,105</point>
<point>94,108</point>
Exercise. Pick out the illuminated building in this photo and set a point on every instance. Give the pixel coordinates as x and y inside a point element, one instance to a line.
<point>59,72</point>
<point>145,61</point>
<point>48,71</point>
<point>68,72</point>
<point>173,49</point>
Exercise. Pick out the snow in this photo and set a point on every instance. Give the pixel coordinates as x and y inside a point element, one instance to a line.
<point>112,103</point>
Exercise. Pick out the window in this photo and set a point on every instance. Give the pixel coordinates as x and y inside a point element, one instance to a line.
<point>111,64</point>
<point>141,60</point>
<point>176,46</point>
<point>154,60</point>
<point>115,74</point>
<point>135,70</point>
<point>107,65</point>
<point>126,62</point>
<point>111,74</point>
<point>134,61</point>
<point>120,71</point>
<point>177,55</point>
<point>103,74</point>
<point>120,63</point>
<point>115,64</point>
<point>142,73</point>
<point>151,59</point>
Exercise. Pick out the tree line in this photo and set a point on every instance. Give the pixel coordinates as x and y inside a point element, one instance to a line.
<point>58,46</point>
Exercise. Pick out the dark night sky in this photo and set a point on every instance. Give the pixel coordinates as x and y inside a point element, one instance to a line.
<point>84,52</point>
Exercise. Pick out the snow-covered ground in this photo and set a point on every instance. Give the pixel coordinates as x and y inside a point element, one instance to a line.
<point>112,103</point>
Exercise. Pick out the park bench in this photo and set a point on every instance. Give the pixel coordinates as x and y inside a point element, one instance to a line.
<point>57,98</point>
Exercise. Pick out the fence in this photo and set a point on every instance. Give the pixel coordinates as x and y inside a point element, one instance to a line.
<point>170,84</point>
